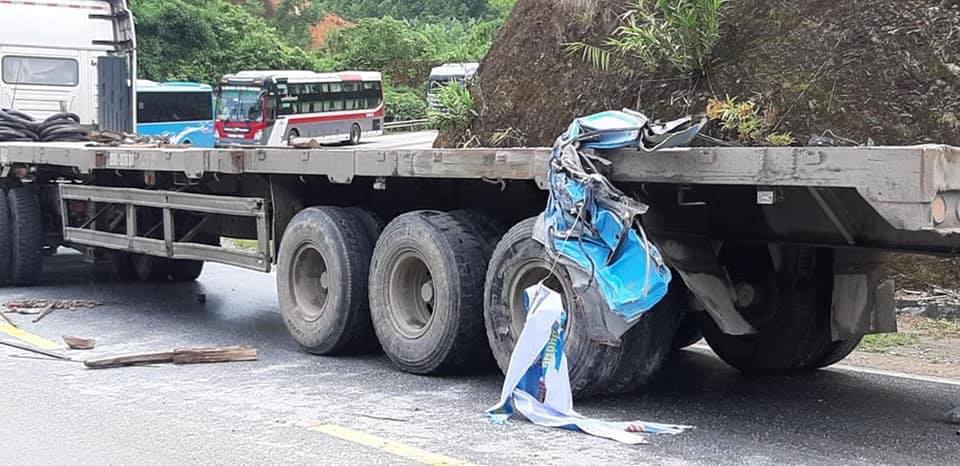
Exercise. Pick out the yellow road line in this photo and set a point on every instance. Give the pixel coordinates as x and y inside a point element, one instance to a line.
<point>28,337</point>
<point>394,448</point>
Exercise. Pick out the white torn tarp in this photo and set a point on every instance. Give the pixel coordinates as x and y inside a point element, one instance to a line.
<point>537,384</point>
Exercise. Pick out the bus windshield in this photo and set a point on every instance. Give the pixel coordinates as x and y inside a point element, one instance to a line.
<point>240,104</point>
<point>164,107</point>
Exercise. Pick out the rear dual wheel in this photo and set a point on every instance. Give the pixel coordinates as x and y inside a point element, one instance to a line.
<point>426,294</point>
<point>323,268</point>
<point>21,237</point>
<point>789,305</point>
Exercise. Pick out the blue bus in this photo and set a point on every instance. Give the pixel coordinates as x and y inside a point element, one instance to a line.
<point>180,111</point>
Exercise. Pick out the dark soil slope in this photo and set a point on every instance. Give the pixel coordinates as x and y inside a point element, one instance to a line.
<point>881,70</point>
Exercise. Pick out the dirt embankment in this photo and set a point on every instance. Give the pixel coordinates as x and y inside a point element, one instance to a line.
<point>880,70</point>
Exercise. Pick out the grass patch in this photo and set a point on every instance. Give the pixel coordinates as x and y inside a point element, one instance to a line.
<point>885,342</point>
<point>681,33</point>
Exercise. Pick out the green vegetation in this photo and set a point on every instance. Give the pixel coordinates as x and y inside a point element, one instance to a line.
<point>885,342</point>
<point>746,122</point>
<point>405,103</point>
<point>654,33</point>
<point>456,108</point>
<point>201,40</point>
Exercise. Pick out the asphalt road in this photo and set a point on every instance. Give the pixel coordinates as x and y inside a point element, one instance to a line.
<point>293,408</point>
<point>401,140</point>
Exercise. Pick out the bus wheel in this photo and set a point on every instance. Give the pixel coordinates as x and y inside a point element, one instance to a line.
<point>425,301</point>
<point>6,240</point>
<point>26,235</point>
<point>355,135</point>
<point>322,273</point>
<point>291,135</point>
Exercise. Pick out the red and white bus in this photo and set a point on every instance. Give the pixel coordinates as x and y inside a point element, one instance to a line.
<point>273,107</point>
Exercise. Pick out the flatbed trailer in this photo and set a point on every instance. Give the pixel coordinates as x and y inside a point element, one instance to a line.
<point>779,251</point>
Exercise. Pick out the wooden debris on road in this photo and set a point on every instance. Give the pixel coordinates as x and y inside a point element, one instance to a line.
<point>7,320</point>
<point>39,306</point>
<point>177,356</point>
<point>77,343</point>
<point>45,312</point>
<point>137,359</point>
<point>31,349</point>
<point>212,355</point>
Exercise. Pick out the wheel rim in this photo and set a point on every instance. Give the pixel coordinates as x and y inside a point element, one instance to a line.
<point>355,135</point>
<point>754,279</point>
<point>529,274</point>
<point>311,283</point>
<point>413,295</point>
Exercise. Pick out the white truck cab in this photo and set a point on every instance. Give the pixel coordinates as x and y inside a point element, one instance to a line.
<point>49,53</point>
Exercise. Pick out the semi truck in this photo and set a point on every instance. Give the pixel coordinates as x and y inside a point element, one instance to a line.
<point>777,252</point>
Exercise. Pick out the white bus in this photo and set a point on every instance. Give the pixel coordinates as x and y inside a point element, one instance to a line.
<point>49,52</point>
<point>275,107</point>
<point>450,73</point>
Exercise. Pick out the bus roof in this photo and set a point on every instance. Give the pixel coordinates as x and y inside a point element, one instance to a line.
<point>454,70</point>
<point>144,85</point>
<point>299,76</point>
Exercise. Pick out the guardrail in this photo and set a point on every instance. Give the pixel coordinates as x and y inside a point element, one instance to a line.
<point>408,125</point>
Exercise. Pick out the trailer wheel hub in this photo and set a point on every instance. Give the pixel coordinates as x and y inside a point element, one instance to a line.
<point>311,283</point>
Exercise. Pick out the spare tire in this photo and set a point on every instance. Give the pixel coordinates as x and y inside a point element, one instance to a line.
<point>6,240</point>
<point>322,272</point>
<point>26,227</point>
<point>425,298</point>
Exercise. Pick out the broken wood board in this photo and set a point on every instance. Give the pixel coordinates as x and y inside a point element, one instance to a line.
<point>213,355</point>
<point>177,356</point>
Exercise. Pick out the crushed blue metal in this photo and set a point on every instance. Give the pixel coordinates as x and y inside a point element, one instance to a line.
<point>593,226</point>
<point>593,230</point>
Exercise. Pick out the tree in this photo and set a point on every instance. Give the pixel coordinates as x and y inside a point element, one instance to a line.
<point>201,40</point>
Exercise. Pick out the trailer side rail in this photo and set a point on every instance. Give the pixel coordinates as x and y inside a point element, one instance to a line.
<point>134,240</point>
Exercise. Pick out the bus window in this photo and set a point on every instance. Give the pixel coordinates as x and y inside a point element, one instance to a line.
<point>161,107</point>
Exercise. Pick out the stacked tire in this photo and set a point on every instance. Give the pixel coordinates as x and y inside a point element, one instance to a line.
<point>21,236</point>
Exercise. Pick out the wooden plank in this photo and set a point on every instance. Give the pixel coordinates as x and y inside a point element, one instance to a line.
<point>213,355</point>
<point>130,360</point>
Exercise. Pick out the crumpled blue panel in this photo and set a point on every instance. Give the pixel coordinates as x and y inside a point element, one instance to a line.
<point>594,225</point>
<point>629,271</point>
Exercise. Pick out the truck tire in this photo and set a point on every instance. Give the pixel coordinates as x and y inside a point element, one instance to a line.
<point>150,268</point>
<point>487,229</point>
<point>182,270</point>
<point>6,240</point>
<point>26,234</point>
<point>688,332</point>
<point>518,263</point>
<point>838,351</point>
<point>646,346</point>
<point>790,308</point>
<point>371,223</point>
<point>121,266</point>
<point>425,297</point>
<point>322,273</point>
